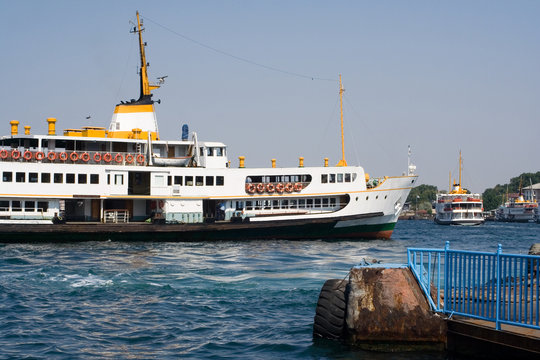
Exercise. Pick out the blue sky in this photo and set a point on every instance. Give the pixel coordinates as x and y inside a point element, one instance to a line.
<point>440,76</point>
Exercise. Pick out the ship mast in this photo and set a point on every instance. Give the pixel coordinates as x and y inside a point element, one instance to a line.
<point>460,170</point>
<point>342,162</point>
<point>146,87</point>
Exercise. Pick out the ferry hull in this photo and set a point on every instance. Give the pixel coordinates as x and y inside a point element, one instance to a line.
<point>286,230</point>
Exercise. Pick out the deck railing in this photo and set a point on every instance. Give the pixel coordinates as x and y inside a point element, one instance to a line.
<point>116,216</point>
<point>503,288</point>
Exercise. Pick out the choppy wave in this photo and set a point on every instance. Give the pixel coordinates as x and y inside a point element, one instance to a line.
<point>253,299</point>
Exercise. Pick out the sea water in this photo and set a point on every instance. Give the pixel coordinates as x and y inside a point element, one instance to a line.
<point>201,300</point>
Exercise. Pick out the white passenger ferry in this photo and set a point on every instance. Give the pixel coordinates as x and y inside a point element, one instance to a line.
<point>458,206</point>
<point>126,182</point>
<point>518,209</point>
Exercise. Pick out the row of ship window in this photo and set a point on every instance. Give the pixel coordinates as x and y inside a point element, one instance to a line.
<point>337,178</point>
<point>57,178</point>
<point>196,180</point>
<point>26,206</point>
<point>287,204</point>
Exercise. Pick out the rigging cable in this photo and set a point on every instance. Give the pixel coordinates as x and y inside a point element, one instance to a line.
<point>239,58</point>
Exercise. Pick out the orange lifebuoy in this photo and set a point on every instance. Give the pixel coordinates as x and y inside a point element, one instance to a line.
<point>40,155</point>
<point>140,158</point>
<point>85,157</point>
<point>107,157</point>
<point>260,187</point>
<point>63,156</point>
<point>129,159</point>
<point>250,188</point>
<point>289,187</point>
<point>298,187</point>
<point>270,188</point>
<point>97,157</point>
<point>51,156</point>
<point>3,154</point>
<point>74,156</point>
<point>118,158</point>
<point>280,187</point>
<point>15,154</point>
<point>27,155</point>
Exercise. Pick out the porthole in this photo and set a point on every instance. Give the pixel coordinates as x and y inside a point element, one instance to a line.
<point>412,182</point>
<point>385,196</point>
<point>357,198</point>
<point>376,197</point>
<point>367,197</point>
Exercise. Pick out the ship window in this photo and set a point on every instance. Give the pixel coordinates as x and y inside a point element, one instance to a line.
<point>19,177</point>
<point>325,202</point>
<point>46,178</point>
<point>219,151</point>
<point>220,180</point>
<point>239,205</point>
<point>309,203</point>
<point>7,176</point>
<point>70,178</point>
<point>332,178</point>
<point>249,205</point>
<point>339,178</point>
<point>284,204</point>
<point>189,180</point>
<point>58,178</point>
<point>108,179</point>
<point>94,178</point>
<point>258,205</point>
<point>198,181</point>
<point>324,178</point>
<point>317,203</point>
<point>177,180</point>
<point>82,179</point>
<point>209,181</point>
<point>117,126</point>
<point>169,180</point>
<point>33,177</point>
<point>4,205</point>
<point>119,179</point>
<point>347,177</point>
<point>332,202</point>
<point>16,206</point>
<point>302,203</point>
<point>210,151</point>
<point>30,206</point>
<point>43,206</point>
<point>293,204</point>
<point>275,204</point>
<point>201,151</point>
<point>354,176</point>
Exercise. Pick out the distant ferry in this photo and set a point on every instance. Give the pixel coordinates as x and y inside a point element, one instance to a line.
<point>518,209</point>
<point>458,207</point>
<point>126,182</point>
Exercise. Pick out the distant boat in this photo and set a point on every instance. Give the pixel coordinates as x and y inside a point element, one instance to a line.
<point>518,209</point>
<point>458,207</point>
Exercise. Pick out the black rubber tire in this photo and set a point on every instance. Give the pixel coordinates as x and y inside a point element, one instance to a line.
<point>331,310</point>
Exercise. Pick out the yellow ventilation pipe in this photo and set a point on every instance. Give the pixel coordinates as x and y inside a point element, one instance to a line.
<point>325,162</point>
<point>14,127</point>
<point>27,130</point>
<point>301,161</point>
<point>52,129</point>
<point>241,159</point>
<point>273,163</point>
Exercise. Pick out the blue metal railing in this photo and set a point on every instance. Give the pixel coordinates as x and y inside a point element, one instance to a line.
<point>504,288</point>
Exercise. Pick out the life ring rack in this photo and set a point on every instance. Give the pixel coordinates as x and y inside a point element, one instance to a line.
<point>140,159</point>
<point>280,187</point>
<point>260,188</point>
<point>63,156</point>
<point>107,157</point>
<point>97,157</point>
<point>3,154</point>
<point>129,158</point>
<point>27,155</point>
<point>74,156</point>
<point>289,187</point>
<point>51,156</point>
<point>118,158</point>
<point>85,157</point>
<point>298,187</point>
<point>270,188</point>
